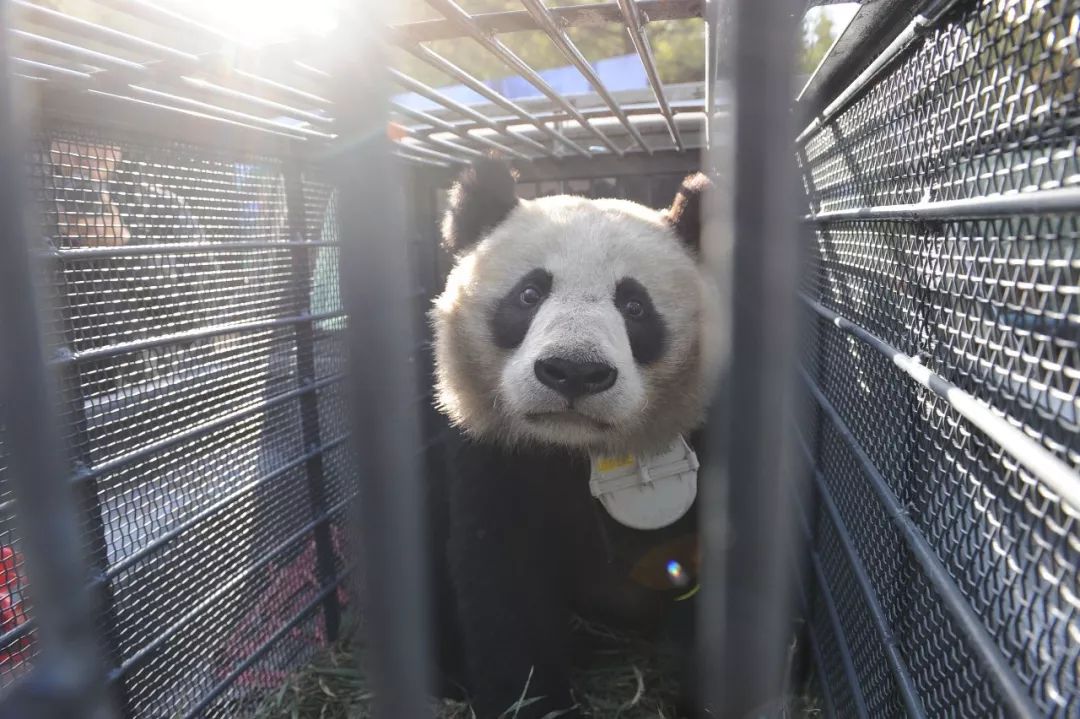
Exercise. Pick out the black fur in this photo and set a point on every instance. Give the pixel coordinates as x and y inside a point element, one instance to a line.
<point>527,546</point>
<point>512,317</point>
<point>482,197</point>
<point>647,331</point>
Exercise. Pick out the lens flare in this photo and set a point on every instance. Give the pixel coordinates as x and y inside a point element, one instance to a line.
<point>676,573</point>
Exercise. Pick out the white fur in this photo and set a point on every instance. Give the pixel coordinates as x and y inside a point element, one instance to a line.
<point>588,246</point>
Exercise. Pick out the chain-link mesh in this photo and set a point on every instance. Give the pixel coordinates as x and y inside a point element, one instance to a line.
<point>196,318</point>
<point>985,103</point>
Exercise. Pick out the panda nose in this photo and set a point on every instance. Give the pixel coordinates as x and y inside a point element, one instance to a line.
<point>575,379</point>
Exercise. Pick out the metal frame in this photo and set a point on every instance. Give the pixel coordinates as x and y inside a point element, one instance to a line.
<point>70,681</point>
<point>382,380</point>
<point>295,102</point>
<point>286,96</point>
<point>751,473</point>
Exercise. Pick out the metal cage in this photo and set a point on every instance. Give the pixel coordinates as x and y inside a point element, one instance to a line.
<point>182,207</point>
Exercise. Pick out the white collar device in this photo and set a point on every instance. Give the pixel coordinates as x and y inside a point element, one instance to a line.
<point>647,492</point>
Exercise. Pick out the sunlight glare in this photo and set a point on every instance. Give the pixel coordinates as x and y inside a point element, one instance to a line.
<point>261,22</point>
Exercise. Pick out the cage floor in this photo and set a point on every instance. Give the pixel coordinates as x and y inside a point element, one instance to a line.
<point>616,675</point>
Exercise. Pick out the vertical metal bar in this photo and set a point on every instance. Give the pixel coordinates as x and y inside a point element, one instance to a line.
<point>751,243</point>
<point>441,64</point>
<point>89,500</point>
<point>566,46</point>
<point>631,15</point>
<point>68,679</point>
<point>452,11</point>
<point>376,291</point>
<point>711,46</point>
<point>303,277</point>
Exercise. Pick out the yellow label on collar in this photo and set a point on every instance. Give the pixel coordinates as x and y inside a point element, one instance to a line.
<point>610,464</point>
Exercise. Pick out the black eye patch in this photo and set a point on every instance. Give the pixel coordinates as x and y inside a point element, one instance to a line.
<point>644,325</point>
<point>515,311</point>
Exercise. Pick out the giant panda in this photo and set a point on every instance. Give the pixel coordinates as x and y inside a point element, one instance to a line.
<point>570,330</point>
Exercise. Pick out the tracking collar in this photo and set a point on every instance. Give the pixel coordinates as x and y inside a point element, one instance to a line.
<point>647,492</point>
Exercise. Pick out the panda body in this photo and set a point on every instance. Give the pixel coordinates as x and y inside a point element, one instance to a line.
<point>569,329</point>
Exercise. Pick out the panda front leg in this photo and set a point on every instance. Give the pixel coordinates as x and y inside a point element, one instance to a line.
<point>512,600</point>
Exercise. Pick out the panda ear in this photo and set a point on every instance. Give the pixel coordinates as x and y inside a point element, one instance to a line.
<point>482,197</point>
<point>684,215</point>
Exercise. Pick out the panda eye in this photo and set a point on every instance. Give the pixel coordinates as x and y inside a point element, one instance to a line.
<point>530,296</point>
<point>634,309</point>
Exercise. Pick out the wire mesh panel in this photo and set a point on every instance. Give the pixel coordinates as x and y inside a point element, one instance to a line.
<point>197,316</point>
<point>16,632</point>
<point>942,292</point>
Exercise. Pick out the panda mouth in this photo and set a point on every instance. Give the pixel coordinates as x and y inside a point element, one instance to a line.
<point>568,417</point>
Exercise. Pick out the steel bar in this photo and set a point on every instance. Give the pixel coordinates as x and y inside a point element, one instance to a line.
<point>580,168</point>
<point>282,132</point>
<point>198,430</point>
<point>77,254</point>
<point>74,52</point>
<point>712,47</point>
<point>113,350</point>
<point>1060,200</point>
<point>374,257</point>
<point>124,114</point>
<point>566,46</point>
<point>230,113</point>
<point>904,683</point>
<point>311,70</point>
<point>986,653</point>
<point>584,15</point>
<point>872,24</point>
<point>919,26</point>
<point>255,99</point>
<point>421,138</point>
<point>751,243</point>
<point>496,47</point>
<point>303,271</point>
<point>425,91</point>
<point>225,64</point>
<point>158,14</point>
<point>50,69</point>
<point>101,33</point>
<point>631,15</point>
<point>423,161</point>
<point>684,113</point>
<point>440,63</point>
<point>1053,473</point>
<point>260,651</point>
<point>66,677</point>
<point>295,91</point>
<point>418,149</point>
<point>147,650</point>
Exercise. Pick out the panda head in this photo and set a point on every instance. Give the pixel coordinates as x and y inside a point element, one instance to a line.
<point>573,322</point>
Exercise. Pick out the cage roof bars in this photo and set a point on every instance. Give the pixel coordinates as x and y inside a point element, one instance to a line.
<point>205,74</point>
